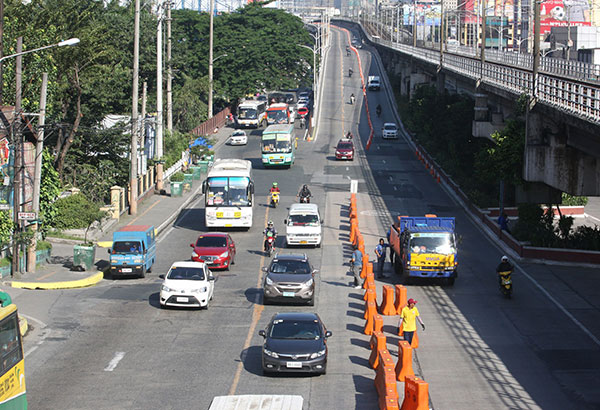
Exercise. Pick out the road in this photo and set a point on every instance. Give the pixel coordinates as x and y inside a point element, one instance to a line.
<point>111,346</point>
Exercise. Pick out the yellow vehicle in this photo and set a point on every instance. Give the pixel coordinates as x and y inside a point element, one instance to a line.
<point>12,366</point>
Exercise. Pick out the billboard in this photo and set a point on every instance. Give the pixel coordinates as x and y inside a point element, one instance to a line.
<point>428,14</point>
<point>562,13</point>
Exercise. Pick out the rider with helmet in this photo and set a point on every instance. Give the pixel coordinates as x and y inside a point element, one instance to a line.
<point>504,266</point>
<point>304,193</point>
<point>274,188</point>
<point>269,231</point>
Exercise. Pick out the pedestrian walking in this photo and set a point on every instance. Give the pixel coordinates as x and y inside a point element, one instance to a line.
<point>408,317</point>
<point>380,252</point>
<point>356,264</point>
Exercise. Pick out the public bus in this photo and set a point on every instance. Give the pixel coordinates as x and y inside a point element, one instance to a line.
<point>278,145</point>
<point>12,376</point>
<point>229,194</point>
<point>251,113</point>
<point>279,113</point>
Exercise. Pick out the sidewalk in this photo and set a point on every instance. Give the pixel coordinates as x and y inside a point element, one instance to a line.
<point>158,210</point>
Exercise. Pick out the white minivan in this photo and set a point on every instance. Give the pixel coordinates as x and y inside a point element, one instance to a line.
<point>303,225</point>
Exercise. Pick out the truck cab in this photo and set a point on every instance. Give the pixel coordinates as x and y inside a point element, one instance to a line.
<point>133,251</point>
<point>424,247</point>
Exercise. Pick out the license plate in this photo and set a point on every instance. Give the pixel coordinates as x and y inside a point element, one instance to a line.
<point>126,270</point>
<point>344,157</point>
<point>228,225</point>
<point>303,242</point>
<point>289,294</point>
<point>181,299</point>
<point>294,365</point>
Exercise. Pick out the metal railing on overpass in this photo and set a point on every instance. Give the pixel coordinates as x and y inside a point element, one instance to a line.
<point>570,86</point>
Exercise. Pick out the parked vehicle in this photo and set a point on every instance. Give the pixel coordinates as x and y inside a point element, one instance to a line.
<point>303,225</point>
<point>289,278</point>
<point>133,250</point>
<point>344,149</point>
<point>187,284</point>
<point>425,247</point>
<point>295,342</point>
<point>216,249</point>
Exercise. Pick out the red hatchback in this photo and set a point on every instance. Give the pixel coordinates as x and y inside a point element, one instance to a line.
<point>216,249</point>
<point>344,149</point>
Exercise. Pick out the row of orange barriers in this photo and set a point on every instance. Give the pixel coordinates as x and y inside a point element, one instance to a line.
<point>434,172</point>
<point>387,373</point>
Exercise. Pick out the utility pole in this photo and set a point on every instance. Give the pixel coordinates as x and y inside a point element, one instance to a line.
<point>37,178</point>
<point>159,103</point>
<point>133,172</point>
<point>1,48</point>
<point>169,72</point>
<point>210,60</point>
<point>143,117</point>
<point>16,139</point>
<point>415,23</point>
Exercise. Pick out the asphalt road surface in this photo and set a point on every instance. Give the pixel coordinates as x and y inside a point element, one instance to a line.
<point>111,346</point>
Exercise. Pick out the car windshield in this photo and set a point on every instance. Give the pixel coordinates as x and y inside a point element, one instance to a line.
<point>133,247</point>
<point>186,273</point>
<point>278,116</point>
<point>276,146</point>
<point>390,127</point>
<point>290,266</point>
<point>211,242</point>
<point>432,243</point>
<point>295,329</point>
<point>303,220</point>
<point>247,113</point>
<point>345,145</point>
<point>238,134</point>
<point>232,191</point>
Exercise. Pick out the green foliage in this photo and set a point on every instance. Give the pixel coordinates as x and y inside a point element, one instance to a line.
<point>49,190</point>
<point>4,262</point>
<point>43,245</point>
<point>570,200</point>
<point>585,237</point>
<point>177,177</point>
<point>6,228</point>
<point>77,212</point>
<point>174,144</point>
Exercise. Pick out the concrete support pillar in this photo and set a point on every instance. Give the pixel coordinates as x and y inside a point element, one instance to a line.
<point>440,82</point>
<point>115,201</point>
<point>416,79</point>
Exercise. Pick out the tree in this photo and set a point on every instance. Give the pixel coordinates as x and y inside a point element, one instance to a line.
<point>49,191</point>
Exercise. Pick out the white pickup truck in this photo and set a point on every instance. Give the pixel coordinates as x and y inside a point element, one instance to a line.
<point>257,402</point>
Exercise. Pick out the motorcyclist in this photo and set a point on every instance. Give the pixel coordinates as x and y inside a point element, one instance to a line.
<point>350,72</point>
<point>274,188</point>
<point>304,192</point>
<point>349,135</point>
<point>352,98</point>
<point>269,231</point>
<point>347,50</point>
<point>504,266</point>
<point>378,110</point>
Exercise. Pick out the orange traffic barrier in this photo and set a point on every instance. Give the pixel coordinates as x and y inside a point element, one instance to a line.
<point>404,366</point>
<point>370,294</point>
<point>368,329</point>
<point>385,377</point>
<point>427,165</point>
<point>378,342</point>
<point>352,197</point>
<point>416,394</point>
<point>370,309</point>
<point>363,271</point>
<point>389,403</point>
<point>377,323</point>
<point>400,301</point>
<point>361,243</point>
<point>387,303</point>
<point>438,178</point>
<point>353,230</point>
<point>353,212</point>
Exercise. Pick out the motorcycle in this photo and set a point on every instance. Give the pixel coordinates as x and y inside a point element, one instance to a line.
<point>505,283</point>
<point>270,244</point>
<point>305,199</point>
<point>274,199</point>
<point>378,111</point>
<point>350,73</point>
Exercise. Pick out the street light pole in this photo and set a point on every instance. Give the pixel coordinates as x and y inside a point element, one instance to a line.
<point>210,59</point>
<point>133,180</point>
<point>159,102</point>
<point>16,138</point>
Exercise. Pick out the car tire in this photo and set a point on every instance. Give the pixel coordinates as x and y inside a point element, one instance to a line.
<point>162,306</point>
<point>228,265</point>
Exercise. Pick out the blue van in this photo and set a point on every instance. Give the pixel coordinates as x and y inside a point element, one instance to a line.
<point>133,250</point>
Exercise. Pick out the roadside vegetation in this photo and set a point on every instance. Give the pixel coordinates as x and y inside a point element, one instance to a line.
<point>479,164</point>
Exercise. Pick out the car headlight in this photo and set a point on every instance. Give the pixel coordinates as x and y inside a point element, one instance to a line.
<point>268,281</point>
<point>201,290</point>
<point>224,254</point>
<point>317,354</point>
<point>137,261</point>
<point>114,261</point>
<point>338,153</point>
<point>165,288</point>
<point>270,353</point>
<point>308,282</point>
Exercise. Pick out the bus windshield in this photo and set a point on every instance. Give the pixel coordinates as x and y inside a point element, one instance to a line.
<point>228,191</point>
<point>246,113</point>
<point>277,116</point>
<point>271,145</point>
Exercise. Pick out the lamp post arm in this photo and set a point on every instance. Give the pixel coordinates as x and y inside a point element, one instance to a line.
<point>69,42</point>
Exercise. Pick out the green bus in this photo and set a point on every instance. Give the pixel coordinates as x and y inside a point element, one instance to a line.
<point>279,145</point>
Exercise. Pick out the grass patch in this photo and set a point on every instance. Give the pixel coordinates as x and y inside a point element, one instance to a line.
<point>61,235</point>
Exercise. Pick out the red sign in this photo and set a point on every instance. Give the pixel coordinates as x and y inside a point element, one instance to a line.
<point>303,111</point>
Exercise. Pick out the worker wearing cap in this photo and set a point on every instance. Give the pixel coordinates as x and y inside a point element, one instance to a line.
<point>408,317</point>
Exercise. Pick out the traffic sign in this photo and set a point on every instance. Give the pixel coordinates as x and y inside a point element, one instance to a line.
<point>26,216</point>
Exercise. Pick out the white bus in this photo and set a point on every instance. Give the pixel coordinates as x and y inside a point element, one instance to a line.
<point>251,113</point>
<point>229,194</point>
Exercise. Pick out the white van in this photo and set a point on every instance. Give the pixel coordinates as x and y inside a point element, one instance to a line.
<point>303,225</point>
<point>373,83</point>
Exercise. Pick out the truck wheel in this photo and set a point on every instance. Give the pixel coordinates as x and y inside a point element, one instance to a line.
<point>450,281</point>
<point>397,266</point>
<point>143,272</point>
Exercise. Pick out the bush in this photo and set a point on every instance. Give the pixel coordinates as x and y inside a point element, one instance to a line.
<point>570,200</point>
<point>177,177</point>
<point>77,212</point>
<point>43,245</point>
<point>6,228</point>
<point>4,262</point>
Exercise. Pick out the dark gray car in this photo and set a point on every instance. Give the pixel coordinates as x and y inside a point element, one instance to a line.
<point>295,342</point>
<point>289,278</point>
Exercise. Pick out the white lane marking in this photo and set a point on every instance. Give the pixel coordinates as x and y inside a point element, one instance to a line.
<point>347,169</point>
<point>114,362</point>
<point>390,178</point>
<point>591,216</point>
<point>383,160</point>
<point>45,333</point>
<point>395,188</point>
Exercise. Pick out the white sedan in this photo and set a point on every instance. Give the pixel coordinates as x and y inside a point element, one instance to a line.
<point>188,284</point>
<point>238,138</point>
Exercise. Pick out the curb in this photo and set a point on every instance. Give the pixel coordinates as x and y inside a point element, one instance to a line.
<point>71,284</point>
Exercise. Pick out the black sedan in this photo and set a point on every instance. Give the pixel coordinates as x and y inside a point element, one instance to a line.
<point>295,342</point>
